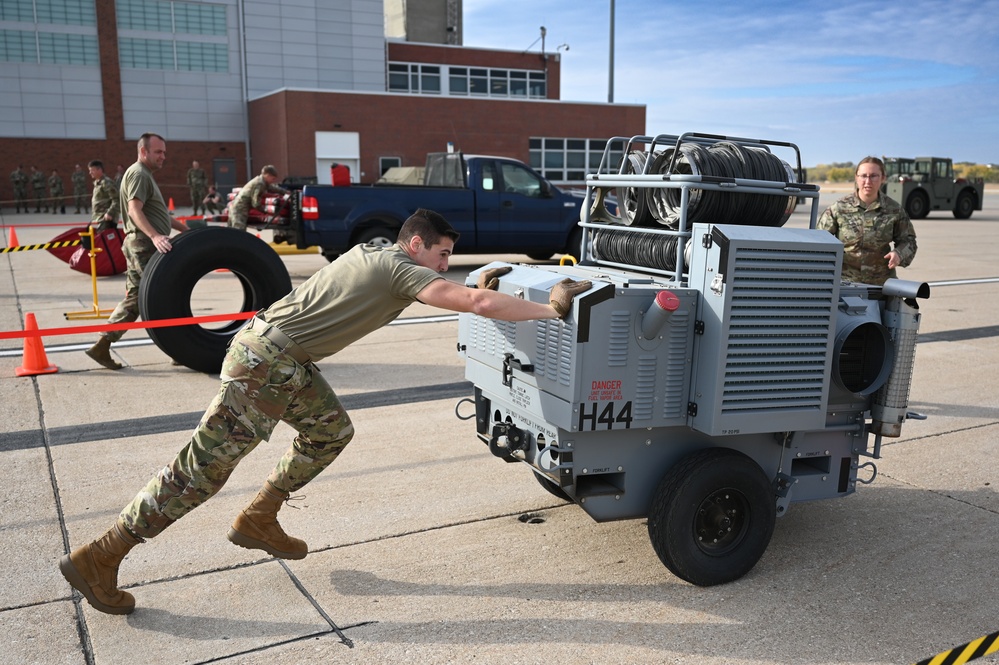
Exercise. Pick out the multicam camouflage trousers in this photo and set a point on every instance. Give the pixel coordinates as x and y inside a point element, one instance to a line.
<point>138,250</point>
<point>261,384</point>
<point>239,214</point>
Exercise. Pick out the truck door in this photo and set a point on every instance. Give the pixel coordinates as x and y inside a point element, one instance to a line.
<point>943,181</point>
<point>487,204</point>
<point>529,216</point>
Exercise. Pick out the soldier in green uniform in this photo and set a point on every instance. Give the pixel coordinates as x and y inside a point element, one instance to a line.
<point>869,223</point>
<point>79,178</point>
<point>213,201</point>
<point>104,199</point>
<point>252,195</point>
<point>147,229</point>
<point>38,186</point>
<point>56,191</point>
<point>269,374</point>
<point>19,181</point>
<point>197,181</point>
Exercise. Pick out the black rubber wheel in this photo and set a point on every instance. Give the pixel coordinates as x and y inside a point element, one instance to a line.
<point>540,254</point>
<point>169,280</point>
<point>918,205</point>
<point>575,246</point>
<point>551,487</point>
<point>712,517</point>
<point>965,205</point>
<point>379,236</point>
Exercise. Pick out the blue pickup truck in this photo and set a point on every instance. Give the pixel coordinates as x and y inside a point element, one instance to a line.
<point>499,205</point>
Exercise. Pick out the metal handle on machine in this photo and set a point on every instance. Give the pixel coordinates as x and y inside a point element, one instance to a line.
<point>509,364</point>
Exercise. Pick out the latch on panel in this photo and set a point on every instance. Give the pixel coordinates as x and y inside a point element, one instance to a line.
<point>509,364</point>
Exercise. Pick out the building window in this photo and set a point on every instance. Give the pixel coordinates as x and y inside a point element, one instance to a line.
<point>173,19</point>
<point>58,12</point>
<point>465,81</point>
<point>18,46</point>
<point>386,163</point>
<point>48,48</point>
<point>201,57</point>
<point>569,160</point>
<point>415,78</point>
<point>62,49</point>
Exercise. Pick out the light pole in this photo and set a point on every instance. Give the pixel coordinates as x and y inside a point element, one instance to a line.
<point>610,77</point>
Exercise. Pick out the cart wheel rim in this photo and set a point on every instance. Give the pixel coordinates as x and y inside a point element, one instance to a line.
<point>721,521</point>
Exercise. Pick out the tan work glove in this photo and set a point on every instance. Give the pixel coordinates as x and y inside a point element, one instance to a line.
<point>489,279</point>
<point>563,293</point>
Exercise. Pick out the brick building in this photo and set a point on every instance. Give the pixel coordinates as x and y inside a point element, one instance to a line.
<point>236,84</point>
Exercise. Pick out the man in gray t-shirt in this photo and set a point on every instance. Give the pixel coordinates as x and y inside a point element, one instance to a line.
<point>147,230</point>
<point>268,375</point>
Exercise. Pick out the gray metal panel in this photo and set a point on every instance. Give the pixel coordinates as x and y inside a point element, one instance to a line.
<point>769,306</point>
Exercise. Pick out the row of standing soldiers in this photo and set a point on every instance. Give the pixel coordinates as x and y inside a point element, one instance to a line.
<point>56,198</point>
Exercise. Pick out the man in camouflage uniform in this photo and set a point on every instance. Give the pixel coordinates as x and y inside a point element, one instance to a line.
<point>197,181</point>
<point>19,182</point>
<point>104,200</point>
<point>56,191</point>
<point>213,201</point>
<point>868,222</point>
<point>80,189</point>
<point>38,186</point>
<point>147,229</point>
<point>269,374</point>
<point>252,195</point>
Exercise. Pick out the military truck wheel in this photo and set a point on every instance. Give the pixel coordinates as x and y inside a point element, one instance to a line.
<point>169,279</point>
<point>965,205</point>
<point>712,516</point>
<point>540,254</point>
<point>551,487</point>
<point>379,236</point>
<point>918,205</point>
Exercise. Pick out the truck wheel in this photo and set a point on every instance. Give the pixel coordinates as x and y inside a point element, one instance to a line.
<point>379,236</point>
<point>965,205</point>
<point>540,254</point>
<point>169,279</point>
<point>918,205</point>
<point>712,516</point>
<point>551,487</point>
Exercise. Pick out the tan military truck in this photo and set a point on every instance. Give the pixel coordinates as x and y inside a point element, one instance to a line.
<point>927,183</point>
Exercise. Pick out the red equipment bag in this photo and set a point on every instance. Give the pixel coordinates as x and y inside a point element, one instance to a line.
<point>110,261</point>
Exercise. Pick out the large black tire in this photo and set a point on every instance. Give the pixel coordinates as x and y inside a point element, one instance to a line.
<point>169,279</point>
<point>965,205</point>
<point>712,517</point>
<point>918,205</point>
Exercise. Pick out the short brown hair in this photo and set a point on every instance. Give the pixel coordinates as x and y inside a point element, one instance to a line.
<point>269,170</point>
<point>429,225</point>
<point>871,159</point>
<point>144,139</point>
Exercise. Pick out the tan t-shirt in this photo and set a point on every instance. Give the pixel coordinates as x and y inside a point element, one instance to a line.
<point>360,292</point>
<point>138,183</point>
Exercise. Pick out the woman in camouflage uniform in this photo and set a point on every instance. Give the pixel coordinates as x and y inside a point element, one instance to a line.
<point>868,222</point>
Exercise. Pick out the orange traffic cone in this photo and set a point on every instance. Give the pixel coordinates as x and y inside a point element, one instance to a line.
<point>170,206</point>
<point>13,238</point>
<point>34,361</point>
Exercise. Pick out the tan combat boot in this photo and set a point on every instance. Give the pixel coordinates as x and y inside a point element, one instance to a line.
<point>93,570</point>
<point>257,528</point>
<point>101,352</point>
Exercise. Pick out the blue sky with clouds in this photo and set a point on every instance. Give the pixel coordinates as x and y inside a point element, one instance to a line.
<point>841,79</point>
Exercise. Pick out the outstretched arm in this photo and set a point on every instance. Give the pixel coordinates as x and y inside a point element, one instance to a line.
<point>491,304</point>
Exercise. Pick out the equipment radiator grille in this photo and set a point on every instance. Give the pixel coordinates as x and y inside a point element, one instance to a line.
<point>553,351</point>
<point>780,324</point>
<point>493,338</point>
<point>677,366</point>
<point>619,338</point>
<point>645,387</point>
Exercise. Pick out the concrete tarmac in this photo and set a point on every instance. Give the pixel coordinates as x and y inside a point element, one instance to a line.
<point>426,549</point>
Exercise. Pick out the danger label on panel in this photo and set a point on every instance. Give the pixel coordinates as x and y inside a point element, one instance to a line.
<point>605,391</point>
